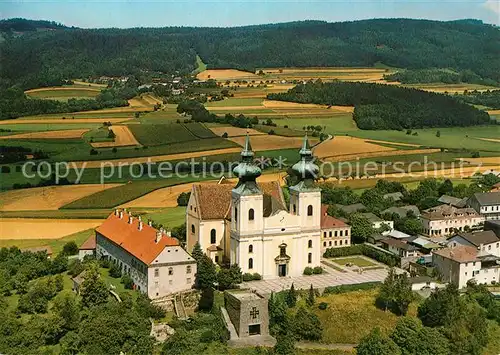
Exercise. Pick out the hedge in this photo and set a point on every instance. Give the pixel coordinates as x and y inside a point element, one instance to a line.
<point>366,250</point>
<point>350,288</point>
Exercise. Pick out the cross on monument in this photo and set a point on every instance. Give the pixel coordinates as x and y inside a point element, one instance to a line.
<point>254,313</point>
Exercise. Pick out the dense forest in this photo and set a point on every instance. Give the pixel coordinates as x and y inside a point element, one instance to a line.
<point>378,106</point>
<point>414,76</point>
<point>37,58</point>
<point>490,99</point>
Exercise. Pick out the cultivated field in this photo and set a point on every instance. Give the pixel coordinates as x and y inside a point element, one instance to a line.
<point>235,131</point>
<point>32,228</point>
<point>46,121</point>
<point>64,93</point>
<point>342,146</point>
<point>165,197</point>
<point>272,142</point>
<point>123,137</point>
<point>61,134</point>
<point>226,74</point>
<point>47,198</point>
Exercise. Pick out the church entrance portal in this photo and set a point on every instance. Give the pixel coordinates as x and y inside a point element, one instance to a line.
<point>282,270</point>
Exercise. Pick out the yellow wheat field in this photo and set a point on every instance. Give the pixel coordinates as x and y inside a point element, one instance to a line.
<point>34,228</point>
<point>62,134</point>
<point>47,198</point>
<point>124,137</point>
<point>225,74</point>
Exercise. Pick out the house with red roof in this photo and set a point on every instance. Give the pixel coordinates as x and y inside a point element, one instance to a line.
<point>334,232</point>
<point>154,260</point>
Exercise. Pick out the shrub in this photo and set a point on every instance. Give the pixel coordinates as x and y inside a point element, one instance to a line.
<point>225,135</point>
<point>105,263</point>
<point>383,257</point>
<point>70,248</point>
<point>93,152</point>
<point>271,132</point>
<point>256,276</point>
<point>247,277</point>
<point>323,306</point>
<point>114,271</point>
<point>349,288</point>
<point>127,282</point>
<point>308,271</point>
<point>318,270</point>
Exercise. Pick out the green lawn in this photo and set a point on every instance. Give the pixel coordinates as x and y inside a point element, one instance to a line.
<point>55,244</point>
<point>236,101</point>
<point>356,260</point>
<point>168,217</point>
<point>337,123</point>
<point>160,134</point>
<point>352,315</point>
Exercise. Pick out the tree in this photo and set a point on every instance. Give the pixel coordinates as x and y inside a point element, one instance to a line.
<point>446,187</point>
<point>414,339</point>
<point>376,343</point>
<point>70,248</point>
<point>59,264</point>
<point>115,271</point>
<point>361,227</point>
<point>183,198</point>
<point>93,289</point>
<point>285,344</point>
<point>224,279</point>
<point>411,226</point>
<point>206,300</point>
<point>67,308</point>
<point>291,297</point>
<point>206,274</point>
<point>197,253</point>
<point>307,325</point>
<point>310,297</point>
<point>438,134</point>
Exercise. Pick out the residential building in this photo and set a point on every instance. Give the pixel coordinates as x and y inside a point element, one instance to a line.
<point>87,248</point>
<point>463,263</point>
<point>399,248</point>
<point>395,196</point>
<point>252,227</point>
<point>355,207</point>
<point>334,232</point>
<point>445,220</point>
<point>453,201</point>
<point>378,222</point>
<point>403,211</point>
<point>487,204</point>
<point>486,242</point>
<point>154,260</point>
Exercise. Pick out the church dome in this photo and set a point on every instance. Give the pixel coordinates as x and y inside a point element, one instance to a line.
<point>246,170</point>
<point>305,169</point>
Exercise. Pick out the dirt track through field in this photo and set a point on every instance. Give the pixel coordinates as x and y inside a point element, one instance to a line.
<point>63,134</point>
<point>154,158</point>
<point>235,131</point>
<point>47,198</point>
<point>124,137</point>
<point>490,140</point>
<point>272,142</point>
<point>34,228</point>
<point>67,120</point>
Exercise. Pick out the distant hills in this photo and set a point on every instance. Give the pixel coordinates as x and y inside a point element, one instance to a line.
<point>41,53</point>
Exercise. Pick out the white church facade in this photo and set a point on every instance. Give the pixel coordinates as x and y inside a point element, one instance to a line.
<point>250,225</point>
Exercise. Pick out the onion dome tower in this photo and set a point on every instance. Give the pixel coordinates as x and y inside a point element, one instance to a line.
<point>247,172</point>
<point>305,170</point>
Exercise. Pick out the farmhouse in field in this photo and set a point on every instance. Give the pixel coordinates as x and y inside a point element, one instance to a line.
<point>250,224</point>
<point>154,260</point>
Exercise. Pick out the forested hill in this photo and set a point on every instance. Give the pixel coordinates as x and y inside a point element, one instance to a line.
<point>39,57</point>
<point>379,106</point>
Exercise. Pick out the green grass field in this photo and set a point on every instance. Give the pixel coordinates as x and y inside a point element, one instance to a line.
<point>338,123</point>
<point>200,66</point>
<point>199,130</point>
<point>160,134</point>
<point>72,92</point>
<point>42,127</point>
<point>236,101</point>
<point>356,260</point>
<point>168,217</point>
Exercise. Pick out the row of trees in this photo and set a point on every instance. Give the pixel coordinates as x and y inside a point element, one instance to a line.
<point>415,76</point>
<point>378,106</point>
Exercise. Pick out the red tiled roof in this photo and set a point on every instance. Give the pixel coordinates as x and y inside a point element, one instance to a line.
<point>328,221</point>
<point>89,244</point>
<point>461,254</point>
<point>140,243</point>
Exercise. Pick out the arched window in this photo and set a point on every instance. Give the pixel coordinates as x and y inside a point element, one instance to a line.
<point>294,208</point>
<point>192,228</point>
<point>309,258</point>
<point>310,210</point>
<point>250,248</point>
<point>236,214</point>
<point>250,263</point>
<point>251,214</point>
<point>310,243</point>
<point>213,235</point>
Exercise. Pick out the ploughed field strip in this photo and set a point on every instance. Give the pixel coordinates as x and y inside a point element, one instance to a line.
<point>59,134</point>
<point>123,137</point>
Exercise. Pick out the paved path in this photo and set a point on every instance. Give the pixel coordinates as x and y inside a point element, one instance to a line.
<point>332,277</point>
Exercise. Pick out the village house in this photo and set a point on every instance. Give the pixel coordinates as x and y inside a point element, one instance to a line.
<point>334,232</point>
<point>446,220</point>
<point>463,263</point>
<point>487,204</point>
<point>486,242</point>
<point>453,201</point>
<point>403,211</point>
<point>87,248</point>
<point>399,247</point>
<point>154,260</point>
<point>378,223</point>
<point>250,224</point>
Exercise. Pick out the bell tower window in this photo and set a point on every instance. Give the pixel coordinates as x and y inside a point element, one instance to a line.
<point>310,210</point>
<point>213,236</point>
<point>251,214</point>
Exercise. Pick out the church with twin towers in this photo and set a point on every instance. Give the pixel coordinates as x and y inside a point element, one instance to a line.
<point>251,225</point>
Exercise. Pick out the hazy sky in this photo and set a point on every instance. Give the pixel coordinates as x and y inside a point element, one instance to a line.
<point>122,13</point>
